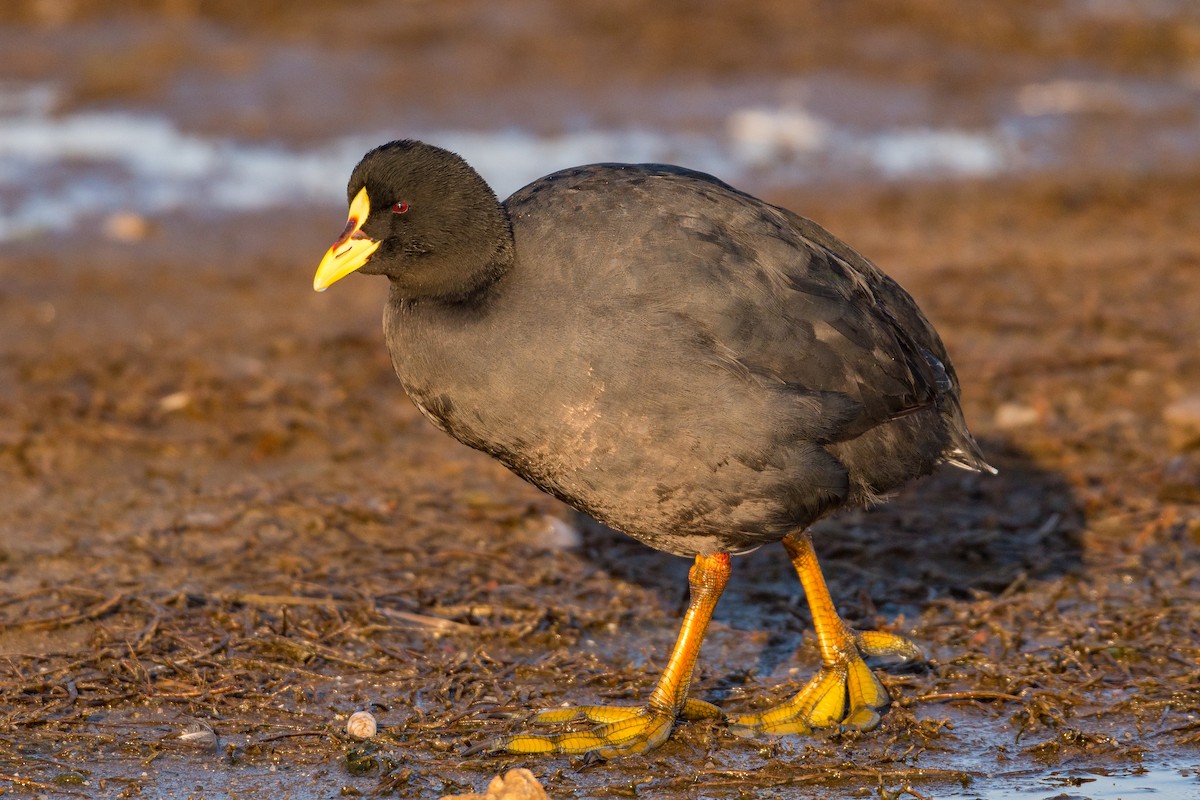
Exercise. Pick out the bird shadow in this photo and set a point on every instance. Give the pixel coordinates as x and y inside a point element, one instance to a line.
<point>953,534</point>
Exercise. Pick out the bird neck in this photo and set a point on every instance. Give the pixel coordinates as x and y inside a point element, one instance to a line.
<point>485,280</point>
<point>463,275</point>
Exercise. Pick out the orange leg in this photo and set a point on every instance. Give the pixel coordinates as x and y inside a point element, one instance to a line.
<point>845,692</point>
<point>621,730</point>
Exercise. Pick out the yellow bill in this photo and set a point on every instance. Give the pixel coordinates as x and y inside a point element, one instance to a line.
<point>352,248</point>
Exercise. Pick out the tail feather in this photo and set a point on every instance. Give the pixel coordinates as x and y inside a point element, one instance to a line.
<point>963,451</point>
<point>963,459</point>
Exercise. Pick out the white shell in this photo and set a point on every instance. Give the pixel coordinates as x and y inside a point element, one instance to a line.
<point>361,725</point>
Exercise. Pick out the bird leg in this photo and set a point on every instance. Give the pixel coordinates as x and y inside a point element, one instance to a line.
<point>622,730</point>
<point>844,694</point>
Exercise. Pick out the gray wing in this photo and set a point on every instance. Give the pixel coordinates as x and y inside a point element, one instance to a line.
<point>800,311</point>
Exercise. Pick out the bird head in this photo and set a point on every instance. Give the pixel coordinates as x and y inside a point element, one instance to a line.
<point>424,218</point>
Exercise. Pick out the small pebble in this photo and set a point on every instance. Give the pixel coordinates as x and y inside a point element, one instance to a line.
<point>126,226</point>
<point>560,535</point>
<point>175,401</point>
<point>1015,415</point>
<point>361,725</point>
<point>200,735</point>
<point>516,784</point>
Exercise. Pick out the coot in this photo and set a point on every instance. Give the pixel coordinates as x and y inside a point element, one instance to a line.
<point>686,363</point>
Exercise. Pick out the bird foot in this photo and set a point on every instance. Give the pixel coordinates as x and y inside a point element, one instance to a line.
<point>844,695</point>
<point>616,731</point>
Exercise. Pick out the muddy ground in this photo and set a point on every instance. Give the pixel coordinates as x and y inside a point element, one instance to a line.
<point>221,511</point>
<point>222,518</point>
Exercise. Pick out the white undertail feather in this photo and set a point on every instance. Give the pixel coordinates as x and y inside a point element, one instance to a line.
<point>962,459</point>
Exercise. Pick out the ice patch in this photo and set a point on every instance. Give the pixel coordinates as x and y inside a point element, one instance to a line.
<point>60,169</point>
<point>915,152</point>
<point>762,136</point>
<point>56,170</point>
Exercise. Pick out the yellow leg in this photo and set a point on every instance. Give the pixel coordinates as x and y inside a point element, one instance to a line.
<point>845,693</point>
<point>620,730</point>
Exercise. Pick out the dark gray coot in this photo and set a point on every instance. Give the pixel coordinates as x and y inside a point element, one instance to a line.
<point>684,362</point>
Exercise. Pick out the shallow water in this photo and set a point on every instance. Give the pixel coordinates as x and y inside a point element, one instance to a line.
<point>1170,781</point>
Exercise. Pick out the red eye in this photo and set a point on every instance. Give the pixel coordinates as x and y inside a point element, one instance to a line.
<point>400,208</point>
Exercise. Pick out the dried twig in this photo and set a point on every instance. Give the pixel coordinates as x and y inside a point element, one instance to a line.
<point>62,621</point>
<point>950,697</point>
<point>37,785</point>
<point>425,621</point>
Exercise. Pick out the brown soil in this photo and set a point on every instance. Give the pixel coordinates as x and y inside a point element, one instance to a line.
<point>220,509</point>
<point>220,514</point>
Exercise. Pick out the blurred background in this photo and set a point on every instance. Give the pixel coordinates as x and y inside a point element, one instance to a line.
<point>114,110</point>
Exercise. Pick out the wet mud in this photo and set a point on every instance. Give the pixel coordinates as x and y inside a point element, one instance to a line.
<point>224,529</point>
<point>221,512</point>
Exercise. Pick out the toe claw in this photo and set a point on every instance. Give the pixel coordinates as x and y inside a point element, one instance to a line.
<point>616,731</point>
<point>486,746</point>
<point>877,644</point>
<point>694,710</point>
<point>861,719</point>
